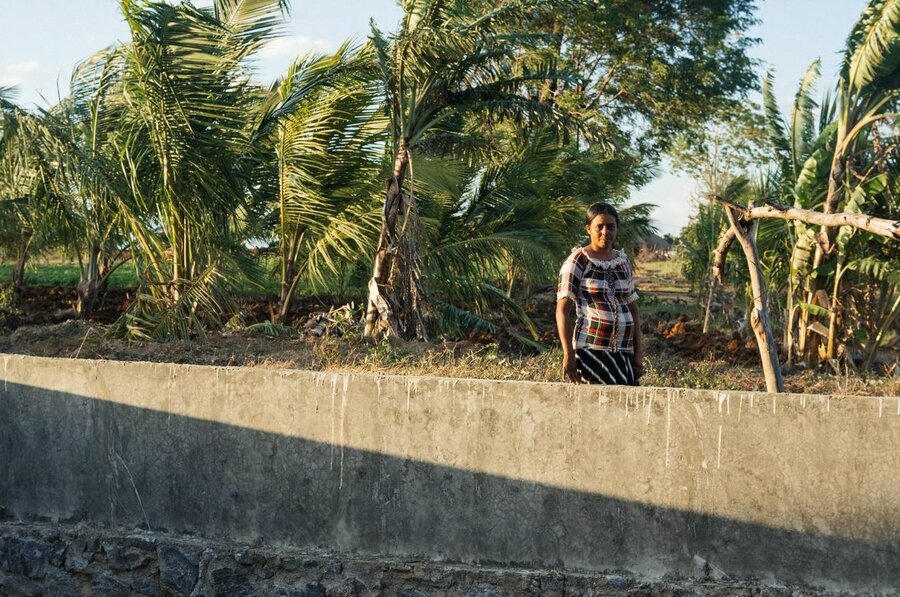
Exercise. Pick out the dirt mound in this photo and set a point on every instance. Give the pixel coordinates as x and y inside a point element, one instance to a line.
<point>686,339</point>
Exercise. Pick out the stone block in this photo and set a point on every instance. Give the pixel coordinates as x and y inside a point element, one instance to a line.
<point>178,568</point>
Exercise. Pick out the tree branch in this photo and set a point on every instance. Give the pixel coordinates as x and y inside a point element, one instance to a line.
<point>879,226</point>
<point>721,252</point>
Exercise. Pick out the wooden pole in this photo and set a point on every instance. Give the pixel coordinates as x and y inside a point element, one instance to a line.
<point>759,316</point>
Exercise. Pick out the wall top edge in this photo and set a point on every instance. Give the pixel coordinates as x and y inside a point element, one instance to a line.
<point>624,390</point>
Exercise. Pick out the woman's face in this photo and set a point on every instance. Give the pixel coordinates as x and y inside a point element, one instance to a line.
<point>602,231</point>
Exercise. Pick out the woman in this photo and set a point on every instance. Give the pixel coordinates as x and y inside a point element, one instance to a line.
<point>603,344</point>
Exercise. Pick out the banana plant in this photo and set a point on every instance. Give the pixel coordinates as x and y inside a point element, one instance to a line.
<point>867,93</point>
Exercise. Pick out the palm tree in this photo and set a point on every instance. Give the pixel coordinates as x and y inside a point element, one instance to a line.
<point>326,139</point>
<point>446,59</point>
<point>491,232</point>
<point>188,112</point>
<point>801,145</point>
<point>21,188</point>
<point>79,140</point>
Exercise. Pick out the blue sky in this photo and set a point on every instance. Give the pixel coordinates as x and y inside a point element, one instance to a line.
<point>42,40</point>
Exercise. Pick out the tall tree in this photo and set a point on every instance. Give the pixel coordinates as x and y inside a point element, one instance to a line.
<point>447,58</point>
<point>646,70</point>
<point>189,107</point>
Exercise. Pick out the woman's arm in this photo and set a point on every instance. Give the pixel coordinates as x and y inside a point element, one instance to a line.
<point>638,341</point>
<point>565,327</point>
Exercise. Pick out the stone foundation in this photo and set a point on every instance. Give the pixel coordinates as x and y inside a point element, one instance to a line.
<point>64,561</point>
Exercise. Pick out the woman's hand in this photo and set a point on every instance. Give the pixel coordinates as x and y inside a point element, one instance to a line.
<point>638,368</point>
<point>638,355</point>
<point>570,371</point>
<point>565,328</point>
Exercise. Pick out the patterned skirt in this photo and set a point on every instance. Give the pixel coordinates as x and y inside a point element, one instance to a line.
<point>605,367</point>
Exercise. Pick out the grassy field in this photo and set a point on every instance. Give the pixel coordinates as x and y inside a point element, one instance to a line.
<point>61,274</point>
<point>664,268</point>
<point>661,277</point>
<point>66,275</point>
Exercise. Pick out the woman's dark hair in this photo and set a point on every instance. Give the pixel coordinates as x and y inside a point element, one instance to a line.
<point>600,208</point>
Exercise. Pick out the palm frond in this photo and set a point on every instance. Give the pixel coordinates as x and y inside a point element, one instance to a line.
<point>872,51</point>
<point>774,122</point>
<point>151,317</point>
<point>802,127</point>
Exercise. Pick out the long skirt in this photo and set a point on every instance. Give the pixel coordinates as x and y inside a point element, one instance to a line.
<point>605,367</point>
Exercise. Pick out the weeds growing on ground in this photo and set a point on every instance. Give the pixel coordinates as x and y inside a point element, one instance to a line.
<point>449,359</point>
<point>9,306</point>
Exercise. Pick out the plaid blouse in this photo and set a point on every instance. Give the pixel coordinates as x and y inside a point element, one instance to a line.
<point>601,291</point>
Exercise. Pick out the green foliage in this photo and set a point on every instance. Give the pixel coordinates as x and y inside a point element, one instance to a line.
<point>872,57</point>
<point>168,157</point>
<point>203,303</point>
<point>503,225</point>
<point>701,235</point>
<point>322,151</point>
<point>10,308</point>
<point>839,160</point>
<point>656,65</point>
<point>271,330</point>
<point>731,145</point>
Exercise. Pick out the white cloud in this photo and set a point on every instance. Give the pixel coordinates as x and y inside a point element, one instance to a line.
<point>292,47</point>
<point>20,73</point>
<point>35,82</point>
<point>672,193</point>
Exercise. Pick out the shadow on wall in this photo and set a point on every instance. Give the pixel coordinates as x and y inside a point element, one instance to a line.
<point>70,457</point>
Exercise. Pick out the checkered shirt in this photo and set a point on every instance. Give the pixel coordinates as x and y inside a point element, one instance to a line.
<point>601,291</point>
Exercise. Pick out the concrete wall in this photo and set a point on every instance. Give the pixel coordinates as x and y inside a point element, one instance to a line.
<point>798,489</point>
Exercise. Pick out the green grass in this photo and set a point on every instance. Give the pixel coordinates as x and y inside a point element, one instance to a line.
<point>666,268</point>
<point>57,274</point>
<point>66,275</point>
<point>661,276</point>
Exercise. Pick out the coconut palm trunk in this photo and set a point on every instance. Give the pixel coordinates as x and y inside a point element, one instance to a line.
<point>447,59</point>
<point>89,286</point>
<point>18,272</point>
<point>395,272</point>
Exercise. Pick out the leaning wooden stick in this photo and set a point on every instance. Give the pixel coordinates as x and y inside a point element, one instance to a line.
<point>759,317</point>
<point>720,252</point>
